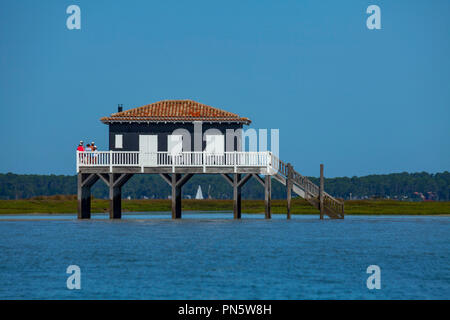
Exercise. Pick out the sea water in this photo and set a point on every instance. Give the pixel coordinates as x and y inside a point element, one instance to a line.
<point>212,256</point>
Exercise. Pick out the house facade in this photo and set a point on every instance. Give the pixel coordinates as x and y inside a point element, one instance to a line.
<point>175,126</point>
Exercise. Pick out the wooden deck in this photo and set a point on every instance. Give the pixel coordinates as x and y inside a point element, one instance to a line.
<point>116,168</point>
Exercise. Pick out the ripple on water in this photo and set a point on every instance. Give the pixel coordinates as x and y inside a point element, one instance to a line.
<point>212,256</point>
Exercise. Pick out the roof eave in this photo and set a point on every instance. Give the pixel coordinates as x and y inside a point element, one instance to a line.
<point>109,121</point>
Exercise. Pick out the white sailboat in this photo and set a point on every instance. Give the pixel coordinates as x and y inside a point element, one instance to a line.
<point>199,194</point>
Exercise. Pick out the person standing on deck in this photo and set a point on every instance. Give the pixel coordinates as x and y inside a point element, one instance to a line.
<point>94,149</point>
<point>80,146</point>
<point>89,155</point>
<point>81,149</point>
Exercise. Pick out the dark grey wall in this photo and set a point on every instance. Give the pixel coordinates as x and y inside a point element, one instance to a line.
<point>131,132</point>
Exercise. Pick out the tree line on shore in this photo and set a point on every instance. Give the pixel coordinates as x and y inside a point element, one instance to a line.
<point>402,186</point>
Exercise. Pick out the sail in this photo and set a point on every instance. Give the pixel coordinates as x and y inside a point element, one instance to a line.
<point>199,194</point>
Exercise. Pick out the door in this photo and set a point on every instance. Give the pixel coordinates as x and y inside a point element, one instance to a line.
<point>148,148</point>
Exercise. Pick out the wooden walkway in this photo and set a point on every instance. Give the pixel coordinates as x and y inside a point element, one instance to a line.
<point>303,187</point>
<point>116,168</point>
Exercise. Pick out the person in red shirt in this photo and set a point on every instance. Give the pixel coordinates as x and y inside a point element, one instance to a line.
<point>80,146</point>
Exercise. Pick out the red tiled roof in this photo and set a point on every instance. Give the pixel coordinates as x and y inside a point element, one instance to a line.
<point>175,111</point>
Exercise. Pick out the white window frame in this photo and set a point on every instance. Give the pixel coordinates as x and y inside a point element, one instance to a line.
<point>118,141</point>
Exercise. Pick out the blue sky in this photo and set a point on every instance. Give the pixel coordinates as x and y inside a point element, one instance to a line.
<point>361,101</point>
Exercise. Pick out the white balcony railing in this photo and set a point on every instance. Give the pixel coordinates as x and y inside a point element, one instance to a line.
<point>166,159</point>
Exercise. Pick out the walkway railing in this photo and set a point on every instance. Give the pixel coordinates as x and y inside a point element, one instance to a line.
<point>302,181</point>
<point>167,159</point>
<point>307,185</point>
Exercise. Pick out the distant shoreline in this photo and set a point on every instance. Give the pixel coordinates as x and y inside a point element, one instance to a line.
<point>299,206</point>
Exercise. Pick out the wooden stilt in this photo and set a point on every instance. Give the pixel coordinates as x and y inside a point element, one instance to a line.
<point>176,181</point>
<point>176,197</point>
<point>115,198</point>
<point>115,181</point>
<point>237,182</point>
<point>289,190</point>
<point>268,196</point>
<point>84,203</point>
<point>321,190</point>
<point>84,184</point>
<point>237,196</point>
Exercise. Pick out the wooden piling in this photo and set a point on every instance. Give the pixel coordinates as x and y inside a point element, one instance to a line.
<point>237,182</point>
<point>84,184</point>
<point>115,182</point>
<point>115,198</point>
<point>321,190</point>
<point>176,197</point>
<point>237,199</point>
<point>289,183</point>
<point>176,182</point>
<point>268,196</point>
<point>84,203</point>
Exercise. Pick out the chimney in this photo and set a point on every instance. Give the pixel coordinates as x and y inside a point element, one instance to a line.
<point>119,107</point>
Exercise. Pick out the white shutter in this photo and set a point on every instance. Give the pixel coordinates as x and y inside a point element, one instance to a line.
<point>118,141</point>
<point>174,144</point>
<point>215,144</point>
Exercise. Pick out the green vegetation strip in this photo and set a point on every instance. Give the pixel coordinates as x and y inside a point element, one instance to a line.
<point>68,204</point>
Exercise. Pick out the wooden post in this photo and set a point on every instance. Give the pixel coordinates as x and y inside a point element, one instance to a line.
<point>176,196</point>
<point>115,198</point>
<point>84,205</point>
<point>84,184</point>
<point>176,182</point>
<point>237,200</point>
<point>321,190</point>
<point>267,195</point>
<point>84,200</point>
<point>289,189</point>
<point>115,182</point>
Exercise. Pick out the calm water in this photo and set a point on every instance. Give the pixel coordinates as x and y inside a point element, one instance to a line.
<point>211,256</point>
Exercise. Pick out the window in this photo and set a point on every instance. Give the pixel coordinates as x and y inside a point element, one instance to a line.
<point>174,144</point>
<point>119,141</point>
